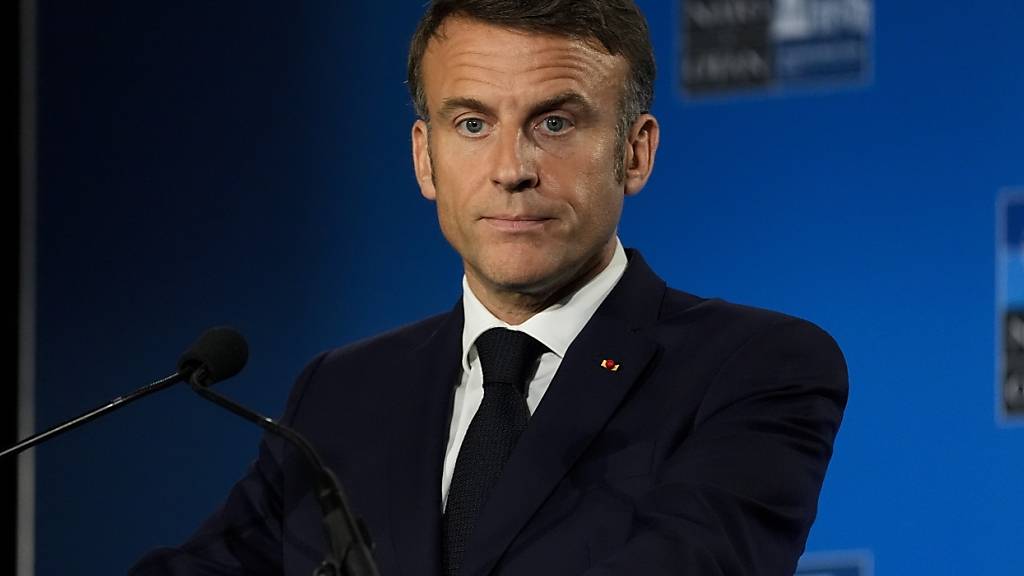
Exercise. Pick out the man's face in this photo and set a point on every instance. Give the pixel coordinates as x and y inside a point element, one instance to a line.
<point>521,152</point>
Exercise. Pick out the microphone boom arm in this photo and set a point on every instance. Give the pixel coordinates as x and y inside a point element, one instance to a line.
<point>349,549</point>
<point>93,414</point>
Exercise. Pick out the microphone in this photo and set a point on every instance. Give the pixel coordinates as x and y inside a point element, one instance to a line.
<point>220,353</point>
<point>217,349</point>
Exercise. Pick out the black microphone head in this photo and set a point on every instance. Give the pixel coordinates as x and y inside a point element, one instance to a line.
<point>218,354</point>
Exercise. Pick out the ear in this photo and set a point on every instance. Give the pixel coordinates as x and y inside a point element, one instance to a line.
<point>421,159</point>
<point>641,147</point>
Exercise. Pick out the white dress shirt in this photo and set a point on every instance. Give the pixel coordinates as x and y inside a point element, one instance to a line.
<point>555,327</point>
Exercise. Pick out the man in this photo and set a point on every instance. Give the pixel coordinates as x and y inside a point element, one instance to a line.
<point>652,432</point>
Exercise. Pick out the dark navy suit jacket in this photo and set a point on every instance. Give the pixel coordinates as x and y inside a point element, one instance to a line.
<point>704,453</point>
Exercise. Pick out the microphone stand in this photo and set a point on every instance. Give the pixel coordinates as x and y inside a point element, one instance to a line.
<point>348,551</point>
<point>93,414</point>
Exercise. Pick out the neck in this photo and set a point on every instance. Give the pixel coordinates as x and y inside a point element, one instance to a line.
<point>517,305</point>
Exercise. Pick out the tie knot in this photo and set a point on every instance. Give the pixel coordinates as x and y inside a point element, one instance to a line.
<point>506,356</point>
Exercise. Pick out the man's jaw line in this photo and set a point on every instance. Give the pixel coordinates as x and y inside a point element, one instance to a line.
<point>516,303</point>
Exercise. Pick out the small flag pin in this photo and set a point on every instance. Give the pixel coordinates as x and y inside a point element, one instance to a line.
<point>609,364</point>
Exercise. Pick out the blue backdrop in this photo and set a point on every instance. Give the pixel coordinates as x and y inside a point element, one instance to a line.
<point>248,163</point>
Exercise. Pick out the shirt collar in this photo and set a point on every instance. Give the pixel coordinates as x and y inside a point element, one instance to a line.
<point>556,326</point>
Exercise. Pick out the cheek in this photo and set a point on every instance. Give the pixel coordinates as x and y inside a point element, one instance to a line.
<point>595,193</point>
<point>454,211</point>
<point>590,157</point>
<point>456,157</point>
<point>585,153</point>
<point>447,214</point>
<point>600,204</point>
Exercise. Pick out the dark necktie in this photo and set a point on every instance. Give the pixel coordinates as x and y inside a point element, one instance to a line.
<point>507,358</point>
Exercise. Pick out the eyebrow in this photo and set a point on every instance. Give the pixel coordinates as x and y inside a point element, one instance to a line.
<point>568,98</point>
<point>450,105</point>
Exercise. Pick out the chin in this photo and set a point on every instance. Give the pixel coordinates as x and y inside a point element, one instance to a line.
<point>521,283</point>
<point>522,277</point>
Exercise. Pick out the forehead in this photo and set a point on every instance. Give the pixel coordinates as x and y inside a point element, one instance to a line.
<point>472,58</point>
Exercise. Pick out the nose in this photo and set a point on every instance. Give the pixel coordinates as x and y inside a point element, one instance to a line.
<point>514,168</point>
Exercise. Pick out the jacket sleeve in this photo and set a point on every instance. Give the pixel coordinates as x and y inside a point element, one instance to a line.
<point>739,493</point>
<point>244,536</point>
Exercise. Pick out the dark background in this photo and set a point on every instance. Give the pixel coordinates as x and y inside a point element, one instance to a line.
<point>207,163</point>
<point>12,243</point>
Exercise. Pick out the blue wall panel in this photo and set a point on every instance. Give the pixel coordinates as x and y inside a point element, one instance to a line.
<point>248,163</point>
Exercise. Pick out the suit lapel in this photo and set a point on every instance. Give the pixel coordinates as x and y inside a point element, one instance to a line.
<point>582,397</point>
<point>419,438</point>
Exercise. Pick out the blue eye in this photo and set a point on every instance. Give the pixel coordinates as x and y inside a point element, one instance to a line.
<point>556,124</point>
<point>473,126</point>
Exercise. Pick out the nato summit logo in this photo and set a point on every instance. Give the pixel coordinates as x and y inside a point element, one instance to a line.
<point>1010,308</point>
<point>745,45</point>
